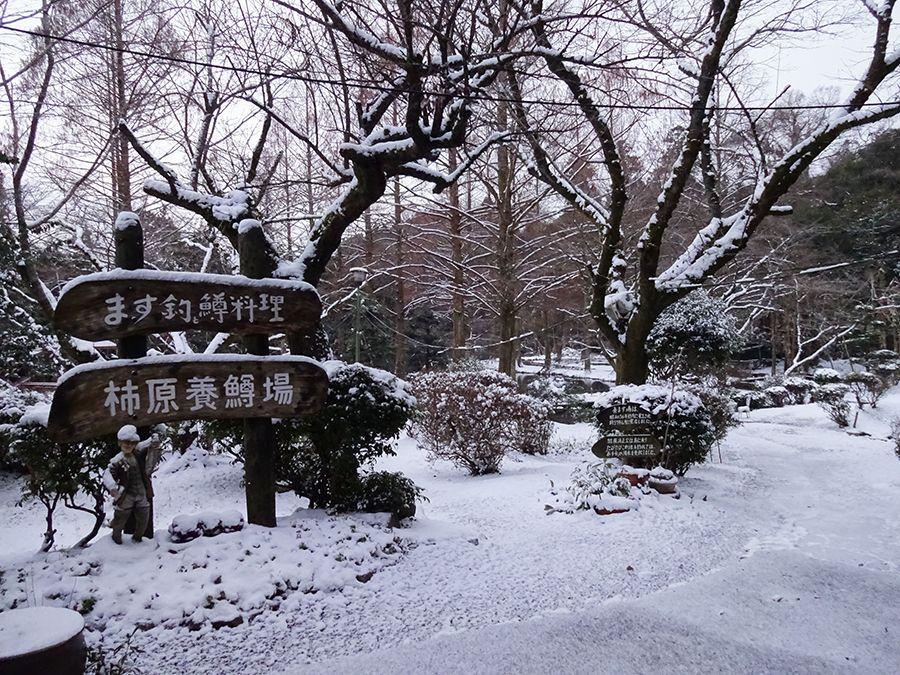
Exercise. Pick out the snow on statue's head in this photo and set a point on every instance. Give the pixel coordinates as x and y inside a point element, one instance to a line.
<point>128,436</point>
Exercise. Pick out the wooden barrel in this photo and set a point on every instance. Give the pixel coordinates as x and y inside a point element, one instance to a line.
<point>46,640</point>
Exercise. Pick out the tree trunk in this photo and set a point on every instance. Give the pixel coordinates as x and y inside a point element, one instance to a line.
<point>400,308</point>
<point>773,342</point>
<point>99,514</point>
<point>632,361</point>
<point>505,253</point>
<point>50,532</point>
<point>507,347</point>
<point>548,340</point>
<point>457,310</point>
<point>121,170</point>
<point>633,365</point>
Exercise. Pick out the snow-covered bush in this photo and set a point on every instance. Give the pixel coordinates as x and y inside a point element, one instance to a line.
<point>886,364</point>
<point>474,419</point>
<point>386,492</point>
<point>595,484</point>
<point>720,407</point>
<point>695,335</point>
<point>867,388</point>
<point>800,388</point>
<point>207,524</point>
<point>830,398</point>
<point>565,406</point>
<point>319,457</point>
<point>551,390</point>
<point>826,376</point>
<point>756,399</point>
<point>778,396</point>
<point>678,419</point>
<point>14,401</point>
<point>67,474</point>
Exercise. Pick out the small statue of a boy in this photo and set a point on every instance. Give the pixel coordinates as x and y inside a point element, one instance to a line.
<point>127,479</point>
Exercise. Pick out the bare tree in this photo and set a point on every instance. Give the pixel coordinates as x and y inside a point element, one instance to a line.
<point>635,278</point>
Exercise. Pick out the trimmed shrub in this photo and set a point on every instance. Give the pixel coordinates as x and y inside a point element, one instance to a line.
<point>695,335</point>
<point>886,364</point>
<point>826,376</point>
<point>757,399</point>
<point>679,420</point>
<point>800,388</point>
<point>719,406</point>
<point>474,418</point>
<point>778,396</point>
<point>386,492</point>
<point>565,406</point>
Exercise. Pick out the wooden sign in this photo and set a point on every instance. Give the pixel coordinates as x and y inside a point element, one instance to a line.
<point>627,433</point>
<point>120,303</point>
<point>98,398</point>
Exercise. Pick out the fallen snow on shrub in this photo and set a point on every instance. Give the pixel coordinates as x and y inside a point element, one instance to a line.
<point>655,399</point>
<point>597,485</point>
<point>205,583</point>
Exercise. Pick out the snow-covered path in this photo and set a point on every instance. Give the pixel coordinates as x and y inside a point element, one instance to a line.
<point>488,554</point>
<point>815,589</point>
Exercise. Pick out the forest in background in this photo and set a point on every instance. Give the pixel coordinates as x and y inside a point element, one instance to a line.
<point>480,257</point>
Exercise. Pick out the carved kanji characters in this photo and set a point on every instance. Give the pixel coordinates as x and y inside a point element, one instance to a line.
<point>125,399</point>
<point>239,391</point>
<point>244,308</point>
<point>202,392</point>
<point>162,393</point>
<point>272,304</point>
<point>278,387</point>
<point>143,307</point>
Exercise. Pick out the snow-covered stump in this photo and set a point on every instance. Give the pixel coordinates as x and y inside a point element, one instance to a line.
<point>42,640</point>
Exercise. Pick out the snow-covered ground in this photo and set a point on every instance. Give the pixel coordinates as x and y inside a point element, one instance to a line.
<point>784,557</point>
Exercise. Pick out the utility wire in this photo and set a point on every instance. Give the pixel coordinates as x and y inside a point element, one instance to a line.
<point>374,86</point>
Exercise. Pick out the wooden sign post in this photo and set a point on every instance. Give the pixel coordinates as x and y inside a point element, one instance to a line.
<point>627,435</point>
<point>129,303</point>
<point>129,242</point>
<point>259,436</point>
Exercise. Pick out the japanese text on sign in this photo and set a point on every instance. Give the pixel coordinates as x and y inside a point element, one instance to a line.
<point>218,307</point>
<point>161,395</point>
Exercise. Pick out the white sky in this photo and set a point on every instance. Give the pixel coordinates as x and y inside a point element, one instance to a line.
<point>828,61</point>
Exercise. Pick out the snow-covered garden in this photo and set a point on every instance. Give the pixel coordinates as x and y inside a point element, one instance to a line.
<point>449,336</point>
<point>781,556</point>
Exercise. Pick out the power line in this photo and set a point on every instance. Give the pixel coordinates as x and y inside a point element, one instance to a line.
<point>357,83</point>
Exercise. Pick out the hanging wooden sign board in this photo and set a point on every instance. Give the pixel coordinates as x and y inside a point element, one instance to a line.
<point>98,398</point>
<point>120,303</point>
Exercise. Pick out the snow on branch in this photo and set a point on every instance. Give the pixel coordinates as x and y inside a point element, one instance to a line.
<point>800,361</point>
